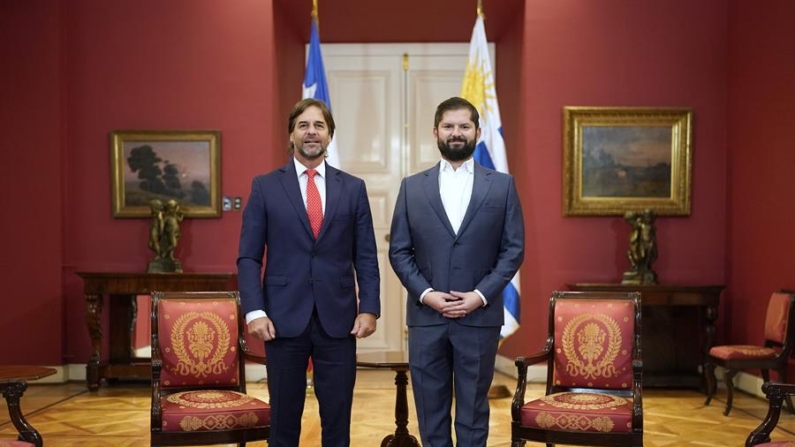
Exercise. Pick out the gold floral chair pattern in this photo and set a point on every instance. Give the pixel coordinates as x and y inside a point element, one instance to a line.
<point>773,354</point>
<point>198,372</point>
<point>594,369</point>
<point>776,394</point>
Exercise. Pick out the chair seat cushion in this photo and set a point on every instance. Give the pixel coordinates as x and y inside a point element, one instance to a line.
<point>5,443</point>
<point>777,444</point>
<point>207,410</point>
<point>734,352</point>
<point>570,411</point>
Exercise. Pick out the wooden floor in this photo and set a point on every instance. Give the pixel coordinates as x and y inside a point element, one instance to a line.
<point>69,416</point>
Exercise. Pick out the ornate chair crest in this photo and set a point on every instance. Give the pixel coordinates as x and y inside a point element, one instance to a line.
<point>594,368</point>
<point>198,372</point>
<point>773,354</point>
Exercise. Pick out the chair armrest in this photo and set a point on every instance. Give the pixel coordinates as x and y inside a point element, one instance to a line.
<point>776,393</point>
<point>521,384</point>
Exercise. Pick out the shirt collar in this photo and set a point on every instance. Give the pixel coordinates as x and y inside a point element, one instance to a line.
<point>468,165</point>
<point>300,169</point>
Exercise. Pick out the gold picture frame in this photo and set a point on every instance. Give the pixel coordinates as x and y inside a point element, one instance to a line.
<point>170,164</point>
<point>620,159</point>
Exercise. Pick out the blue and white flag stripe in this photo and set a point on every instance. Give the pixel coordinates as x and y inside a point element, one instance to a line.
<point>315,85</point>
<point>479,89</point>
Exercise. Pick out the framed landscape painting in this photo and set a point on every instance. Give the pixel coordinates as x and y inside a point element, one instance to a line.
<point>620,159</point>
<point>165,165</point>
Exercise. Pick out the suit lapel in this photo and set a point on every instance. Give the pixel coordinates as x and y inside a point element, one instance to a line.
<point>480,189</point>
<point>292,189</point>
<point>333,194</point>
<point>431,188</point>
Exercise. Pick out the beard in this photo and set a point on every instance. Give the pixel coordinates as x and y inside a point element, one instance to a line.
<point>460,154</point>
<point>314,153</point>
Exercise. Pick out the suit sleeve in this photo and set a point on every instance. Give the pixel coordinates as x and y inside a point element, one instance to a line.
<point>366,257</point>
<point>511,252</point>
<point>251,251</point>
<point>401,248</point>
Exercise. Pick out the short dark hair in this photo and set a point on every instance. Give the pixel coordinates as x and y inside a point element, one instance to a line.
<point>456,103</point>
<point>304,104</point>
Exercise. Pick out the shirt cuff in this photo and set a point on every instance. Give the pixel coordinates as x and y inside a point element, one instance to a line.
<point>482,298</point>
<point>254,314</point>
<point>427,291</point>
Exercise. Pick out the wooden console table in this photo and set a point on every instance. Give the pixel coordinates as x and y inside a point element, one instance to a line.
<point>678,329</point>
<point>122,289</point>
<point>398,362</point>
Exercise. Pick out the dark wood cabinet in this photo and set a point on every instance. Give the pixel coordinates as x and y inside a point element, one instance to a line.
<point>678,330</point>
<point>122,290</point>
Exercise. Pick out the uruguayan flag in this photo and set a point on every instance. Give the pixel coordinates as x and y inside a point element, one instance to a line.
<point>315,85</point>
<point>478,88</point>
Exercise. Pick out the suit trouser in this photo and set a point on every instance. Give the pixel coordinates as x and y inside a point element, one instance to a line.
<point>334,363</point>
<point>447,355</point>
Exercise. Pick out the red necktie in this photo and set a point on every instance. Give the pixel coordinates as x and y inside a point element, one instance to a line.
<point>314,208</point>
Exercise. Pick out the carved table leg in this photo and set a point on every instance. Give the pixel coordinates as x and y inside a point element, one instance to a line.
<point>12,392</point>
<point>711,316</point>
<point>93,313</point>
<point>401,438</point>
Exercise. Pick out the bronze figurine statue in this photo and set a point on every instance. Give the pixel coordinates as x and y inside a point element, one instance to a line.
<point>164,234</point>
<point>642,251</point>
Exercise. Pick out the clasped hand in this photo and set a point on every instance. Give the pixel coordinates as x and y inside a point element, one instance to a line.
<point>453,304</point>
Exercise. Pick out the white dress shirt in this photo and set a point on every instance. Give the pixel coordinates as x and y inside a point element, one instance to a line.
<point>455,186</point>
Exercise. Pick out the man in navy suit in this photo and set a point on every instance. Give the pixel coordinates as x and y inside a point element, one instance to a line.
<point>457,239</point>
<point>306,305</point>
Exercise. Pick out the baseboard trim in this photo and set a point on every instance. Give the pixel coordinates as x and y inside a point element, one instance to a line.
<point>76,372</point>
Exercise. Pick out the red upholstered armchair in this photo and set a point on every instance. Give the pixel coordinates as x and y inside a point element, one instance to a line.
<point>594,369</point>
<point>776,393</point>
<point>773,354</point>
<point>198,372</point>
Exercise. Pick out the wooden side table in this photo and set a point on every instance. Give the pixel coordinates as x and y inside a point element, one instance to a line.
<point>121,289</point>
<point>398,362</point>
<point>13,383</point>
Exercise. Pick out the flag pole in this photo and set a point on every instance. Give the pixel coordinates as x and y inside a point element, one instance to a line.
<point>496,391</point>
<point>315,15</point>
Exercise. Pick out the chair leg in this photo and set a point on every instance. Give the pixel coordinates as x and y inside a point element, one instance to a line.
<point>517,443</point>
<point>712,381</point>
<point>729,379</point>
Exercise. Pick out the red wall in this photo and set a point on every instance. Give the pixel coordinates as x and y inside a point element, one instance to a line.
<point>160,65</point>
<point>618,53</point>
<point>85,67</point>
<point>31,125</point>
<point>761,205</point>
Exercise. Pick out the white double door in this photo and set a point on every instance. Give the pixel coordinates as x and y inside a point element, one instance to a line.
<point>384,97</point>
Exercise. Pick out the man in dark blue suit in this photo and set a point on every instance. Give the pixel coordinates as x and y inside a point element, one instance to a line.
<point>457,239</point>
<point>313,225</point>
